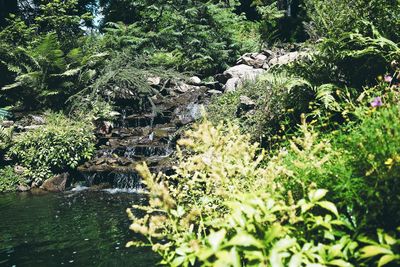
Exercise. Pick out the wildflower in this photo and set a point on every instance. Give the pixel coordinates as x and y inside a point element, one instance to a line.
<point>388,78</point>
<point>377,102</point>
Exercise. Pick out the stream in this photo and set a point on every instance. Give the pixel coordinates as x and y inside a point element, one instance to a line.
<point>87,225</point>
<point>75,228</point>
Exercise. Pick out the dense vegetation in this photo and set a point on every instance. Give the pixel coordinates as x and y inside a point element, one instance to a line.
<point>308,177</point>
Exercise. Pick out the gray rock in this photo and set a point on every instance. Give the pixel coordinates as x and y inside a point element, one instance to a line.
<point>7,124</point>
<point>36,119</point>
<point>23,188</point>
<point>285,59</point>
<point>19,169</point>
<point>154,81</point>
<point>253,59</point>
<point>232,84</point>
<point>237,75</point>
<point>182,87</point>
<point>246,101</point>
<point>31,127</point>
<point>195,80</point>
<point>214,92</point>
<point>56,184</point>
<point>246,105</point>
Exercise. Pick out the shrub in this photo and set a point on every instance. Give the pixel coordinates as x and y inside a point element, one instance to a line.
<point>376,158</point>
<point>218,164</point>
<point>224,208</point>
<point>61,144</point>
<point>280,98</point>
<point>9,180</point>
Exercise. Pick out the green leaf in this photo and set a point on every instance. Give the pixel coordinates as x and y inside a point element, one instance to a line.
<point>316,195</point>
<point>328,206</point>
<point>371,251</point>
<point>386,259</point>
<point>215,239</point>
<point>340,263</point>
<point>244,239</point>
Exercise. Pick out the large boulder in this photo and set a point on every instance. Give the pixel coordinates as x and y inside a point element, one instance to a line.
<point>56,184</point>
<point>237,75</point>
<point>285,59</point>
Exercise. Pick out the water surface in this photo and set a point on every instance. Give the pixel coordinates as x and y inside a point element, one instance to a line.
<point>69,229</point>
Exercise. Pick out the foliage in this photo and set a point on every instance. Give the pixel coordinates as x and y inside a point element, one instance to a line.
<point>205,176</point>
<point>199,36</point>
<point>9,180</point>
<point>45,75</point>
<point>326,21</point>
<point>5,137</point>
<point>278,95</point>
<point>194,219</point>
<point>376,158</point>
<point>61,144</point>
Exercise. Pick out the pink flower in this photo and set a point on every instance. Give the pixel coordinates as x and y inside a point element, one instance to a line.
<point>377,102</point>
<point>388,78</point>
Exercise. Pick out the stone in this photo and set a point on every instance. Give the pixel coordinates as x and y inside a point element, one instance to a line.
<point>214,92</point>
<point>182,87</point>
<point>285,59</point>
<point>154,81</point>
<point>56,184</point>
<point>237,75</point>
<point>36,119</point>
<point>246,101</point>
<point>195,80</point>
<point>32,127</point>
<point>105,127</point>
<point>253,59</point>
<point>23,188</point>
<point>246,105</point>
<point>7,124</point>
<point>19,169</point>
<point>232,84</point>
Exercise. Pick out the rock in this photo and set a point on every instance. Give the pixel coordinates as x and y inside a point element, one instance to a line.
<point>19,169</point>
<point>182,87</point>
<point>246,104</point>
<point>214,92</point>
<point>188,114</point>
<point>237,75</point>
<point>194,80</point>
<point>36,119</point>
<point>232,84</point>
<point>104,127</point>
<point>31,127</point>
<point>154,81</point>
<point>285,59</point>
<point>23,188</point>
<point>7,124</point>
<point>253,59</point>
<point>56,184</point>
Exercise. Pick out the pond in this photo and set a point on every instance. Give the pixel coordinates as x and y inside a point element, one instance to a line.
<point>76,228</point>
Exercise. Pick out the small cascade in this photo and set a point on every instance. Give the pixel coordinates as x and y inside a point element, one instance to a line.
<point>140,135</point>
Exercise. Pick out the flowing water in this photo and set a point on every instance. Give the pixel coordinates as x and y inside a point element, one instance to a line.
<point>75,228</point>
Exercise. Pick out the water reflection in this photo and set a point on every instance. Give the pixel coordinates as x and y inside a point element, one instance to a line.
<point>80,228</point>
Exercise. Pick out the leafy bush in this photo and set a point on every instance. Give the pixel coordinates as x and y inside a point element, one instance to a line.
<point>224,208</point>
<point>5,137</point>
<point>280,97</point>
<point>219,163</point>
<point>326,21</point>
<point>375,157</point>
<point>202,37</point>
<point>61,144</point>
<point>9,180</point>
